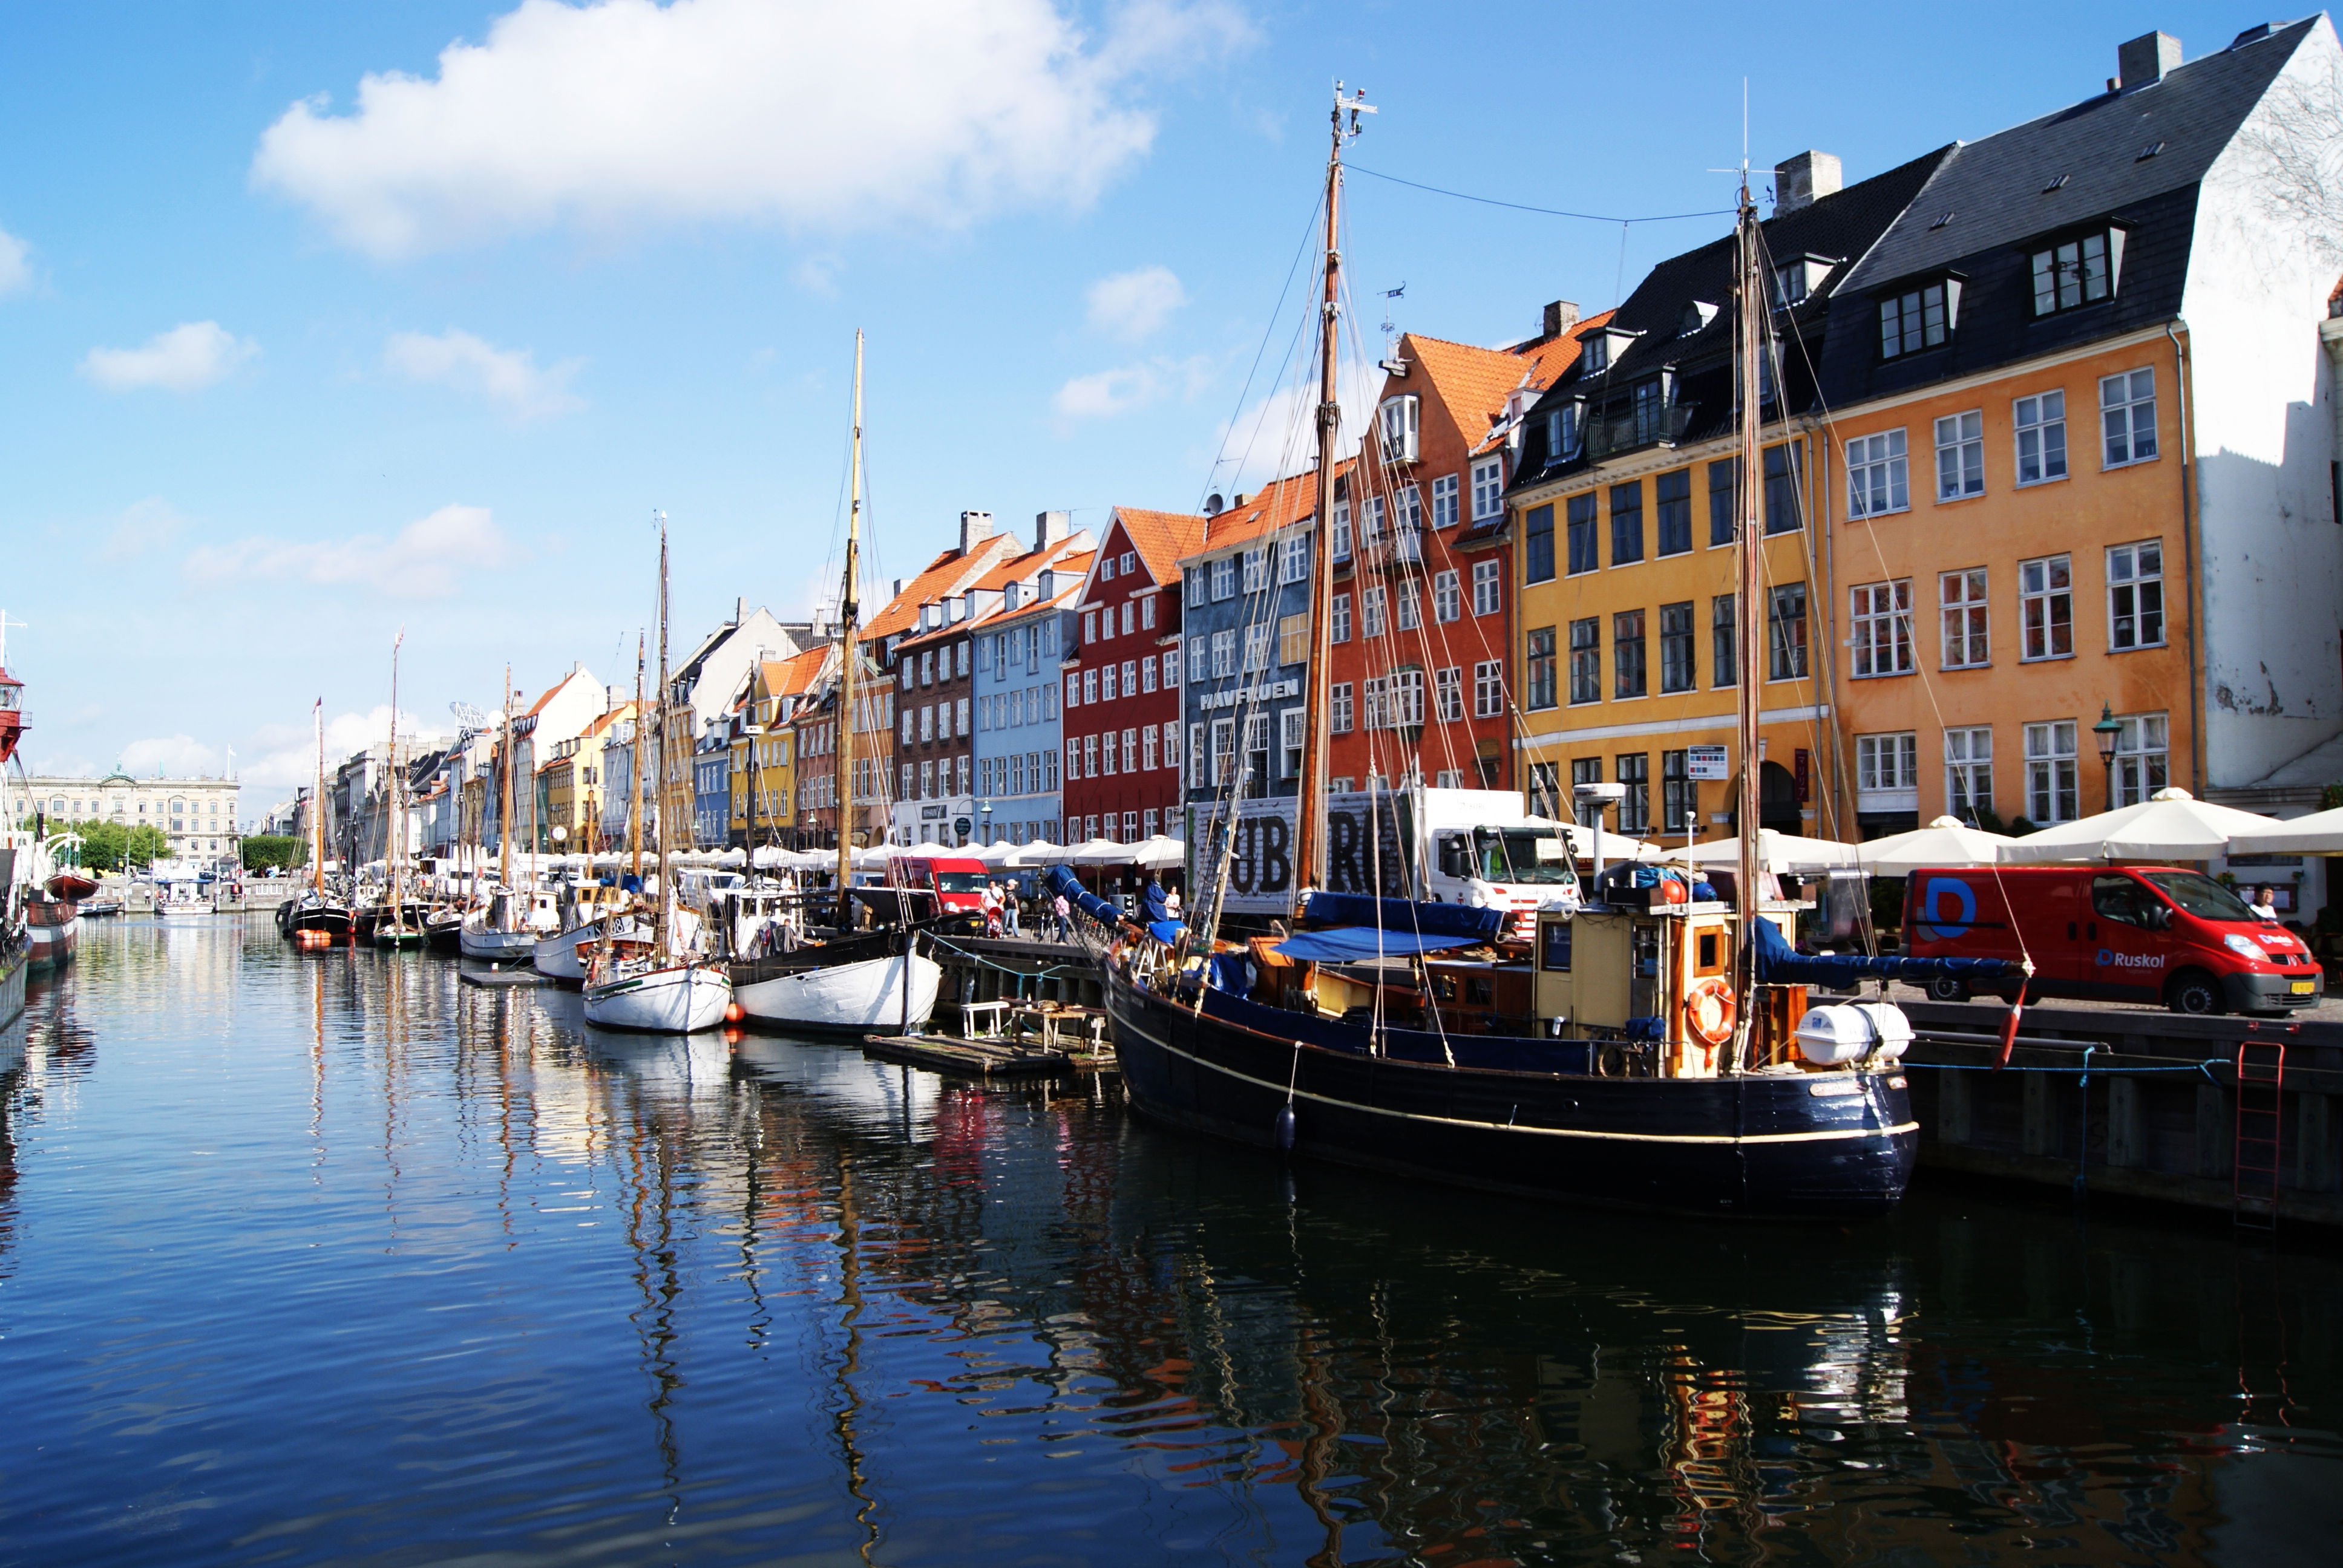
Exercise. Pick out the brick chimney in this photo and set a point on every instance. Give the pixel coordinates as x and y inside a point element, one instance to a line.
<point>1561,316</point>
<point>1048,528</point>
<point>1802,181</point>
<point>975,528</point>
<point>2146,58</point>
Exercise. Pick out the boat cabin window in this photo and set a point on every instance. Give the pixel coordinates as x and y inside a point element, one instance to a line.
<point>1554,945</point>
<point>1520,855</point>
<point>1708,957</point>
<point>1481,990</point>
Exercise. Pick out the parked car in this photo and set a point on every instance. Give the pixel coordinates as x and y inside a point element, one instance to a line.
<point>2112,934</point>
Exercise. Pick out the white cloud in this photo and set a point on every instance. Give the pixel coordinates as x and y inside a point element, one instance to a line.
<point>143,527</point>
<point>827,114</point>
<point>187,359</point>
<point>427,559</point>
<point>509,378</point>
<point>1105,394</point>
<point>293,755</point>
<point>1279,433</point>
<point>176,755</point>
<point>1133,305</point>
<point>16,266</point>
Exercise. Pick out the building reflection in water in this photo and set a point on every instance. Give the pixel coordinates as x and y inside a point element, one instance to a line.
<point>997,1323</point>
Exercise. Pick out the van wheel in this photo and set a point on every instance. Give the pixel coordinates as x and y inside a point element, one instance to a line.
<point>2194,991</point>
<point>1944,987</point>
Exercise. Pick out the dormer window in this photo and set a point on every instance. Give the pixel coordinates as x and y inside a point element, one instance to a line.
<point>1797,279</point>
<point>1399,420</point>
<point>1696,316</point>
<point>1599,349</point>
<point>1564,427</point>
<point>1918,318</point>
<point>2076,272</point>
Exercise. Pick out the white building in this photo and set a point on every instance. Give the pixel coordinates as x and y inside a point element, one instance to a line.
<point>198,814</point>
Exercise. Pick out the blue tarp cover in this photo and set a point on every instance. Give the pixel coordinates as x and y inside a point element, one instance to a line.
<point>1778,963</point>
<point>1351,944</point>
<point>1398,915</point>
<point>1166,931</point>
<point>1153,904</point>
<point>1089,903</point>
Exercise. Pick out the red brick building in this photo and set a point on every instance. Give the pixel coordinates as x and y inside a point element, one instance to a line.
<point>1120,718</point>
<point>1422,599</point>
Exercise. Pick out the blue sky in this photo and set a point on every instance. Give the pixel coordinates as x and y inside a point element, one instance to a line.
<point>282,371</point>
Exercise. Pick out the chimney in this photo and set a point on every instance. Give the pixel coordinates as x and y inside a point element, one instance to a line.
<point>1561,316</point>
<point>739,612</point>
<point>899,587</point>
<point>1803,180</point>
<point>1048,528</point>
<point>975,528</point>
<point>2146,58</point>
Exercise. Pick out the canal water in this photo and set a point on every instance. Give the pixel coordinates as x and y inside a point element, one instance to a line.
<point>334,1258</point>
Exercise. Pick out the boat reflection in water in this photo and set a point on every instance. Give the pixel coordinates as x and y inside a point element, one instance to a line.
<point>752,1298</point>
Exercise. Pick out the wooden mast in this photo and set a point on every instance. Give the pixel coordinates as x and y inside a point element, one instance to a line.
<point>317,810</point>
<point>504,817</point>
<point>848,612</point>
<point>635,750</point>
<point>397,800</point>
<point>1751,629</point>
<point>1309,822</point>
<point>666,897</point>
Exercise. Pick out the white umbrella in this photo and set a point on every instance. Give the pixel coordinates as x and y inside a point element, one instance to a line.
<point>2171,825</point>
<point>1043,854</point>
<point>1161,852</point>
<point>2320,833</point>
<point>1776,852</point>
<point>1946,842</point>
<point>873,854</point>
<point>1102,852</point>
<point>1001,854</point>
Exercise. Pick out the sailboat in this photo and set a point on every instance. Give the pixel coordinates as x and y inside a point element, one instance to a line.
<point>650,987</point>
<point>400,932</point>
<point>316,919</point>
<point>591,911</point>
<point>1660,1053</point>
<point>501,931</point>
<point>875,983</point>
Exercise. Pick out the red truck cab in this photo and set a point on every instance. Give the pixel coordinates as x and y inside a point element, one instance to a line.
<point>2111,934</point>
<point>957,882</point>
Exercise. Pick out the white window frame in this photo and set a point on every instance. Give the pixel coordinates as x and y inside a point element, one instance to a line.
<point>1964,619</point>
<point>2142,759</point>
<point>1293,558</point>
<point>1489,689</point>
<point>1339,712</point>
<point>1448,693</point>
<point>2053,786</point>
<point>1878,474</point>
<point>2136,571</point>
<point>1410,606</point>
<point>2122,403</point>
<point>2041,583</point>
<point>1960,456</point>
<point>1224,577</point>
<point>1293,725</point>
<point>2038,430</point>
<point>1256,569</point>
<point>1373,615</point>
<point>1969,771</point>
<point>1443,501</point>
<point>1488,489</point>
<point>1447,596</point>
<point>1399,422</point>
<point>1339,628</point>
<point>1488,587</point>
<point>1886,764</point>
<point>1880,615</point>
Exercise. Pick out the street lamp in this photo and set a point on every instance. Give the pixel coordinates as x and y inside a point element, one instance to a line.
<point>1599,796</point>
<point>984,822</point>
<point>2107,731</point>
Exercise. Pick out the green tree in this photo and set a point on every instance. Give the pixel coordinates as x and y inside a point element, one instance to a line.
<point>103,844</point>
<point>267,852</point>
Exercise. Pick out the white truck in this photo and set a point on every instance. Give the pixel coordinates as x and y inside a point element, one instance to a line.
<point>1478,848</point>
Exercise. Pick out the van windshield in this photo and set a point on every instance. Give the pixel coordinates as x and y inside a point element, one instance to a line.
<point>1520,855</point>
<point>961,881</point>
<point>2199,895</point>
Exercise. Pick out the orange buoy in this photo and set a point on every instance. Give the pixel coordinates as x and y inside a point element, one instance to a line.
<point>1708,1011</point>
<point>732,1014</point>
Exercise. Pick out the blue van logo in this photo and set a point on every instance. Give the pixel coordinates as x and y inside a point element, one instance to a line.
<point>1930,917</point>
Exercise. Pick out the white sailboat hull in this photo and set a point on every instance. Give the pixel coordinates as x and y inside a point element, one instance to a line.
<point>498,947</point>
<point>563,957</point>
<point>865,998</point>
<point>681,998</point>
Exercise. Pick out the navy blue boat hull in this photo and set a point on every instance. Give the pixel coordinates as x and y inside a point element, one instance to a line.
<point>1755,1145</point>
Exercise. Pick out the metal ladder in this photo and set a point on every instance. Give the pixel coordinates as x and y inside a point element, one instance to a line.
<point>2254,1170</point>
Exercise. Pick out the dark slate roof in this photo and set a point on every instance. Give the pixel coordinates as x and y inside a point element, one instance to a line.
<point>2002,214</point>
<point>1842,226</point>
<point>1993,187</point>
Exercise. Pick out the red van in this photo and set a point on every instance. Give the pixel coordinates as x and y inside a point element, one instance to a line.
<point>957,880</point>
<point>2111,934</point>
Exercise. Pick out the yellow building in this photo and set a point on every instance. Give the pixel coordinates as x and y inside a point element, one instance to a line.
<point>765,808</point>
<point>573,780</point>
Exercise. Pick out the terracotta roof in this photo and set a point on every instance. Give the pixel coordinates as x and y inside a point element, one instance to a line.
<point>604,722</point>
<point>1474,383</point>
<point>1275,504</point>
<point>1162,538</point>
<point>790,676</point>
<point>1076,569</point>
<point>948,573</point>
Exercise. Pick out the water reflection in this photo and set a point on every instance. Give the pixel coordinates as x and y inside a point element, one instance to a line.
<point>333,1257</point>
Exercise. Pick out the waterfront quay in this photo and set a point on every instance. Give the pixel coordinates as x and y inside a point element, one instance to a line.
<point>330,1258</point>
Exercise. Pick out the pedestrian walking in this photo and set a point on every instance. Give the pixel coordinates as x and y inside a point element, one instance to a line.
<point>1062,911</point>
<point>1010,902</point>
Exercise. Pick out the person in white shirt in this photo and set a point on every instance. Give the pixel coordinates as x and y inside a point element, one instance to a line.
<point>2264,903</point>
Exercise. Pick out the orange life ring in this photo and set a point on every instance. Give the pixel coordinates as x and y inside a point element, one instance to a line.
<point>1708,1011</point>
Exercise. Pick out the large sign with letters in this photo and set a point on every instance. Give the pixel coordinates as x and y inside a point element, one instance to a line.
<point>1366,835</point>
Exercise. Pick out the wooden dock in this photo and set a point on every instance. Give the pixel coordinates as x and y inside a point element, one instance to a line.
<point>503,980</point>
<point>966,1057</point>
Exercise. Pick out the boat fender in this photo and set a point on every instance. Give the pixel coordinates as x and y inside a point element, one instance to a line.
<point>1709,1012</point>
<point>1285,1127</point>
<point>732,1014</point>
